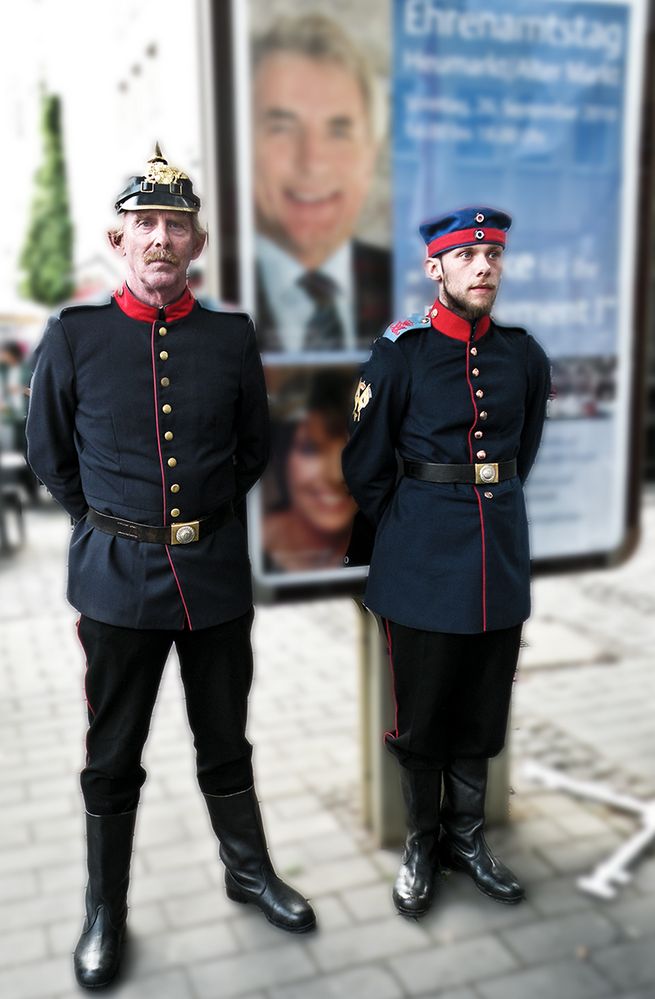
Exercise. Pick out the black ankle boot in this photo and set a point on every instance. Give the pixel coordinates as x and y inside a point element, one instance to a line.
<point>462,846</point>
<point>109,850</point>
<point>249,873</point>
<point>419,871</point>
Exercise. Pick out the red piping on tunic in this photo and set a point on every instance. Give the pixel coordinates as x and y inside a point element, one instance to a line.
<point>154,388</point>
<point>484,563</point>
<point>161,465</point>
<point>477,493</point>
<point>186,609</point>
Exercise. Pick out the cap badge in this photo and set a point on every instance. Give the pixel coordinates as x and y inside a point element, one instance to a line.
<point>362,399</point>
<point>158,171</point>
<point>479,217</point>
<point>479,234</point>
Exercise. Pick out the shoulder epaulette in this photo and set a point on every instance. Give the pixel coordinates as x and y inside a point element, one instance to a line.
<point>99,302</point>
<point>416,321</point>
<point>510,329</point>
<point>212,305</point>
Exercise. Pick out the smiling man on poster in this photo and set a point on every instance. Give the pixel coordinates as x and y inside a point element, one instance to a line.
<point>315,145</point>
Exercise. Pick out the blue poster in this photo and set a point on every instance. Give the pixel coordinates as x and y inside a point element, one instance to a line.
<point>532,106</point>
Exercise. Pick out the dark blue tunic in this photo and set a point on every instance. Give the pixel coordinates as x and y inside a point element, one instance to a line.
<point>99,436</point>
<point>448,557</point>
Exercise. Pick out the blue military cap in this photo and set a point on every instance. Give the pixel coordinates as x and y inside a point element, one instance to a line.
<point>465,227</point>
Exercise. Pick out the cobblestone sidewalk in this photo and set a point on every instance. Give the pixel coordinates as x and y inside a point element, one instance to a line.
<point>584,703</point>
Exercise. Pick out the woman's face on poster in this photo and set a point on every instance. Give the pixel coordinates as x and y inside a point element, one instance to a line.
<point>314,477</point>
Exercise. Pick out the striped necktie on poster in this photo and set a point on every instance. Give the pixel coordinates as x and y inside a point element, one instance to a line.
<point>324,330</point>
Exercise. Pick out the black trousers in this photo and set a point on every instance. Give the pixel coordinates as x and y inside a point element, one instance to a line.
<point>451,693</point>
<point>124,670</point>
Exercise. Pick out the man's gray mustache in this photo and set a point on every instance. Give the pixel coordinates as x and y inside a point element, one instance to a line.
<point>154,255</point>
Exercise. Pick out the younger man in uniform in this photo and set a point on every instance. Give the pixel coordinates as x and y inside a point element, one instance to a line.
<point>461,400</point>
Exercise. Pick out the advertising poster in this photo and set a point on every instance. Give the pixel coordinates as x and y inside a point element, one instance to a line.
<point>533,106</point>
<point>318,265</point>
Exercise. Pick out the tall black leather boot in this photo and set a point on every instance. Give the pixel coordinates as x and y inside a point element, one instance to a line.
<point>249,874</point>
<point>109,850</point>
<point>463,846</point>
<point>419,871</point>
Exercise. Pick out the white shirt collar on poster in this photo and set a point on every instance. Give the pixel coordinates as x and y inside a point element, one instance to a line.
<point>290,305</point>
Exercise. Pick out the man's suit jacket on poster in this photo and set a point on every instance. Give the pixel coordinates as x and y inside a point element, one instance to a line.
<point>372,281</point>
<point>138,411</point>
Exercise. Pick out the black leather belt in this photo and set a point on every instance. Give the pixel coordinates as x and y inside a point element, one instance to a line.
<point>483,473</point>
<point>180,533</point>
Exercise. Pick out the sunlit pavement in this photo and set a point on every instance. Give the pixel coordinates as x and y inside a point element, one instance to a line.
<point>583,703</point>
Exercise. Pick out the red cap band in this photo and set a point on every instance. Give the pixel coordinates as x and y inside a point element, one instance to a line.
<point>466,237</point>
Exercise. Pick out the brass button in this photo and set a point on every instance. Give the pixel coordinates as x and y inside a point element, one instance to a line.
<point>165,382</point>
<point>163,354</point>
<point>475,372</point>
<point>163,331</point>
<point>168,436</point>
<point>434,313</point>
<point>479,393</point>
<point>478,434</point>
<point>489,495</point>
<point>474,351</point>
<point>175,488</point>
<point>167,408</point>
<point>483,414</point>
<point>175,512</point>
<point>481,454</point>
<point>172,462</point>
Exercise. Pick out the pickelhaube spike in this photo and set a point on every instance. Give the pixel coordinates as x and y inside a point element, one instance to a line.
<point>161,186</point>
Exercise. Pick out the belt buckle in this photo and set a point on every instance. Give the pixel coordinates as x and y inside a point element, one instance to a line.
<point>186,533</point>
<point>486,472</point>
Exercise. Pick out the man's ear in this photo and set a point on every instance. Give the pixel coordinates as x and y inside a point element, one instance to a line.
<point>433,269</point>
<point>115,240</point>
<point>199,246</point>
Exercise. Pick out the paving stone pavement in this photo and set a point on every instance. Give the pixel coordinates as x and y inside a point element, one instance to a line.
<point>583,703</point>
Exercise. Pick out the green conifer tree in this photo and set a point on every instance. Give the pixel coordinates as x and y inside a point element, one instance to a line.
<point>47,255</point>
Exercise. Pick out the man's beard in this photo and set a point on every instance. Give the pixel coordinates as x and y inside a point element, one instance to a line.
<point>469,310</point>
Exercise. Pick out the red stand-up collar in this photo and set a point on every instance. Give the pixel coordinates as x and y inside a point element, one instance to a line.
<point>449,323</point>
<point>136,309</point>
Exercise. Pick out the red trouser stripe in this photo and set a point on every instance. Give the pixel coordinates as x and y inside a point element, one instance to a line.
<point>393,680</point>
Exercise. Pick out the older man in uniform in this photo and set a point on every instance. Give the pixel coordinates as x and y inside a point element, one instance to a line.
<point>149,424</point>
<point>460,400</point>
